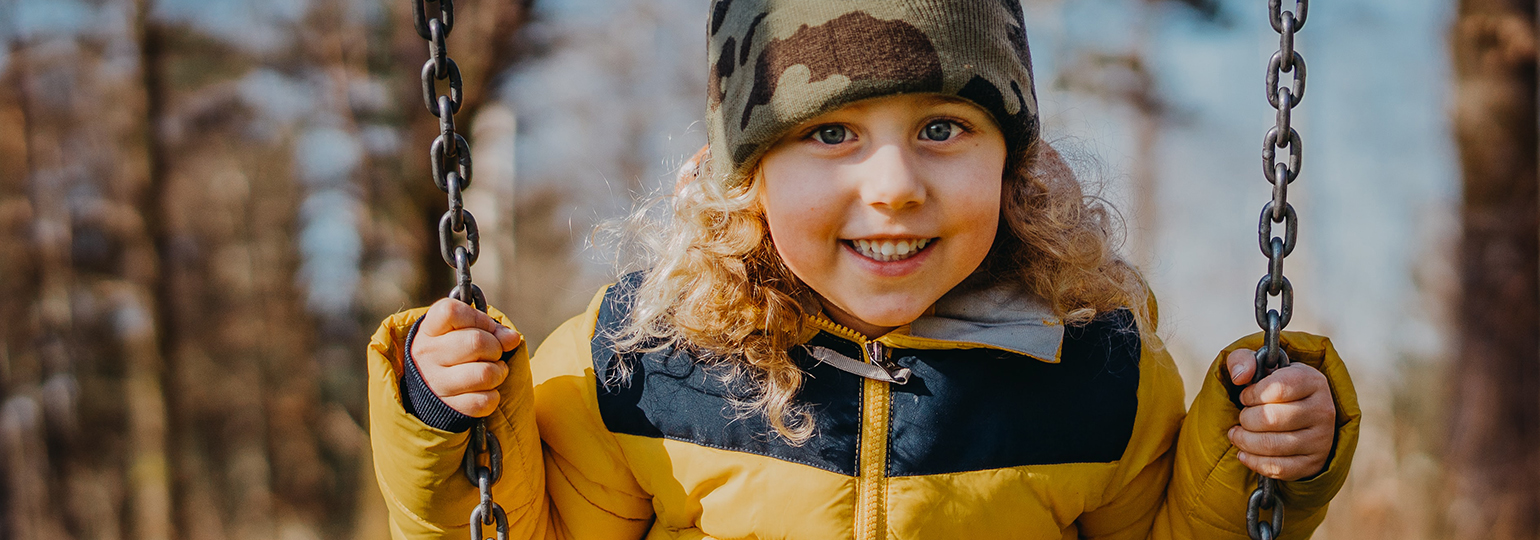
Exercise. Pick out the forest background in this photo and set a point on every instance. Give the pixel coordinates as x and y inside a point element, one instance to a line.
<point>207,205</point>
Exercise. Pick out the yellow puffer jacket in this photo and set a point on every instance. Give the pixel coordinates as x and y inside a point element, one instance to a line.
<point>1011,427</point>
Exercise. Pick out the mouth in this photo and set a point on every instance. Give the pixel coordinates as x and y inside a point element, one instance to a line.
<point>890,250</point>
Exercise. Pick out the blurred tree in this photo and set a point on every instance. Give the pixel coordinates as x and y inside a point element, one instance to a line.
<point>179,358</point>
<point>1495,426</point>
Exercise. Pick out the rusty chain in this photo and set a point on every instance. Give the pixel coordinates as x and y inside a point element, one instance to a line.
<point>1280,174</point>
<point>449,158</point>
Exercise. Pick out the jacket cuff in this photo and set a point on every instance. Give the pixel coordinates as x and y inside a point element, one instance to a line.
<point>421,402</point>
<point>1313,492</point>
<point>1318,490</point>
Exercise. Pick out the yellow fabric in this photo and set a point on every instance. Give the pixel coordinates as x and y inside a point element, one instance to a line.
<point>1207,475</point>
<point>567,476</point>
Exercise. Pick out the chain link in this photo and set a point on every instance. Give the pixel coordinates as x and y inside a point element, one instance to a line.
<point>483,461</point>
<point>1277,211</point>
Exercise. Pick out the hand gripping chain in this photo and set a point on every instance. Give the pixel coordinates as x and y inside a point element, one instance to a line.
<point>1280,174</point>
<point>450,159</point>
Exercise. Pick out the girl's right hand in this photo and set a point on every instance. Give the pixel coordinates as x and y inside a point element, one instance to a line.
<point>458,352</point>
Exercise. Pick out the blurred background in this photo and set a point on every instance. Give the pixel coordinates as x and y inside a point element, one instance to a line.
<point>206,206</point>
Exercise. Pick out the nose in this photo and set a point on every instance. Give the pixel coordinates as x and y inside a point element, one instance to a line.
<point>889,179</point>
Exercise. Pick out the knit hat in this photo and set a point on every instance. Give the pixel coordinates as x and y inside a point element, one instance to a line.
<point>778,63</point>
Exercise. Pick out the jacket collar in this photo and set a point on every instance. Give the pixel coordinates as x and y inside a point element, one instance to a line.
<point>1002,317</point>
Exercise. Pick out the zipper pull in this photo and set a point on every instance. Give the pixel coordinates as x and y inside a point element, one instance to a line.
<point>879,356</point>
<point>876,352</point>
<point>873,371</point>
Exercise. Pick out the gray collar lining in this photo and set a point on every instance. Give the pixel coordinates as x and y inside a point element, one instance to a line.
<point>1002,316</point>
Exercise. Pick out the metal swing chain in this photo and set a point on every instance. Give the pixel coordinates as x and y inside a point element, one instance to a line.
<point>451,148</point>
<point>1280,174</point>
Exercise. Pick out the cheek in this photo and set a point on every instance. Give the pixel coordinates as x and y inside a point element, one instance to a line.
<point>983,224</point>
<point>804,222</point>
<point>975,211</point>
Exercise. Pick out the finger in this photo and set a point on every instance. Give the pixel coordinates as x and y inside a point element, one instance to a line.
<point>474,404</point>
<point>472,345</point>
<point>468,317</point>
<point>1295,415</point>
<point>447,315</point>
<point>1305,442</point>
<point>507,338</point>
<point>1291,383</point>
<point>455,348</point>
<point>1287,468</point>
<point>1242,364</point>
<point>469,378</point>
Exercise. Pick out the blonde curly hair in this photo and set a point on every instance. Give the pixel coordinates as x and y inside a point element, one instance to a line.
<point>715,283</point>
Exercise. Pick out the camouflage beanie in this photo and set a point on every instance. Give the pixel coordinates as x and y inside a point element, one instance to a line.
<point>778,63</point>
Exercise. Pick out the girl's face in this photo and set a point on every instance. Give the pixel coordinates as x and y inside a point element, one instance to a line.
<point>886,204</point>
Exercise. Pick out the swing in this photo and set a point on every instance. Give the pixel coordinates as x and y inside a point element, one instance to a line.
<point>1277,211</point>
<point>482,463</point>
<point>484,456</point>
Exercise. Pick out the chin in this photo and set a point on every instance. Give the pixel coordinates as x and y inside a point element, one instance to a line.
<point>894,318</point>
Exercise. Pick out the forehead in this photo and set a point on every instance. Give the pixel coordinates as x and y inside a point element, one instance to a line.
<point>909,102</point>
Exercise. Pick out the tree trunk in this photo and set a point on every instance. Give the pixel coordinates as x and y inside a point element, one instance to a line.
<point>1495,417</point>
<point>161,377</point>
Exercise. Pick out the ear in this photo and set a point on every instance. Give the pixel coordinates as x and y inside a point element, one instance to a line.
<point>691,169</point>
<point>1046,162</point>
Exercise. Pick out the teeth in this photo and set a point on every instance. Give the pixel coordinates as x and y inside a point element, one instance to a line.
<point>890,250</point>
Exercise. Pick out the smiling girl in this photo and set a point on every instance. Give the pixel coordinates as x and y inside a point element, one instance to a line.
<point>883,308</point>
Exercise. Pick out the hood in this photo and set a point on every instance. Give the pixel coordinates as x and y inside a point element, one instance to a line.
<point>1002,317</point>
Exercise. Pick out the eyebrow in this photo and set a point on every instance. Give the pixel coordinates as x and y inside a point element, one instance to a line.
<point>939,99</point>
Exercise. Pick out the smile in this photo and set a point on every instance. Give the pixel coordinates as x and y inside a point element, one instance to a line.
<point>889,250</point>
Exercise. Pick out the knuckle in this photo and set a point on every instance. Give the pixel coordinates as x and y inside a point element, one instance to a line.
<point>1249,396</point>
<point>470,378</point>
<point>443,310</point>
<point>481,377</point>
<point>1252,420</point>
<point>1283,444</point>
<point>1267,416</point>
<point>469,344</point>
<point>490,375</point>
<point>487,402</point>
<point>430,359</point>
<point>1272,417</point>
<point>1264,446</point>
<point>431,376</point>
<point>485,341</point>
<point>1322,439</point>
<point>475,404</point>
<point>463,313</point>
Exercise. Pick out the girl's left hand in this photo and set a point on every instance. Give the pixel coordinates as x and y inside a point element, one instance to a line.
<point>1289,421</point>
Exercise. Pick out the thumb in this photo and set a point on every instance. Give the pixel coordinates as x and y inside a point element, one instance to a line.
<point>1242,365</point>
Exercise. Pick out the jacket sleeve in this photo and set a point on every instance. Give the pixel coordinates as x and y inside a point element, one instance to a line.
<point>1210,487</point>
<point>574,484</point>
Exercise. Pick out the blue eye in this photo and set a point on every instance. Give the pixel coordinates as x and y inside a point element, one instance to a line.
<point>831,134</point>
<point>939,130</point>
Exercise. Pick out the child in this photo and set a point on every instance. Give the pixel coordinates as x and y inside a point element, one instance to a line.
<point>883,309</point>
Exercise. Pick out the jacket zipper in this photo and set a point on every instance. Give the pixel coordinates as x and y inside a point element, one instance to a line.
<point>872,483</point>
